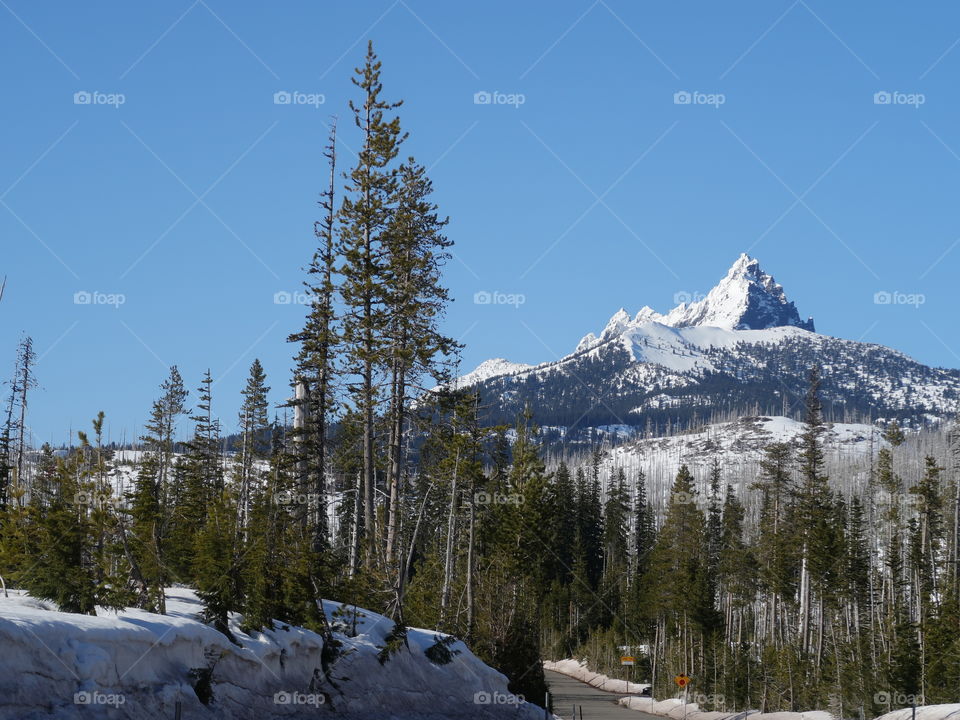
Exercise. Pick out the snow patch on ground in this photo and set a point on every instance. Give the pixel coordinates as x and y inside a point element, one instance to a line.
<point>578,671</point>
<point>135,664</point>
<point>676,709</point>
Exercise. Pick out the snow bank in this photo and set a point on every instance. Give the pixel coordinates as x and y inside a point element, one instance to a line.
<point>926,712</point>
<point>134,664</point>
<point>674,708</point>
<point>578,670</point>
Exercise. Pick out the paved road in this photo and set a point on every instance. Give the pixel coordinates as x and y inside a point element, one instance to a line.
<point>597,704</point>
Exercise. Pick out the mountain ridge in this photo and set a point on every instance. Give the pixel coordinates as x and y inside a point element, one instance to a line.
<point>743,348</point>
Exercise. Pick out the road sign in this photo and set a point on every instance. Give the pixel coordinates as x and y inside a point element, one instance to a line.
<point>627,660</point>
<point>682,680</point>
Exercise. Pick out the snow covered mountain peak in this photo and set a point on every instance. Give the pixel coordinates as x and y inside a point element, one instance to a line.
<point>492,368</point>
<point>646,314</point>
<point>747,298</point>
<point>616,325</point>
<point>742,348</point>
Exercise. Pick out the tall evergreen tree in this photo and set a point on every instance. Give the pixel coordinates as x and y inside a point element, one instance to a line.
<point>415,250</point>
<point>365,217</point>
<point>149,507</point>
<point>315,375</point>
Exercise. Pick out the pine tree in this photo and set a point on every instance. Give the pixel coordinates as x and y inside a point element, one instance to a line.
<point>615,517</point>
<point>365,216</point>
<point>714,529</point>
<point>415,300</point>
<point>815,532</point>
<point>149,506</point>
<point>199,479</point>
<point>644,534</point>
<point>676,569</point>
<point>72,558</point>
<point>590,526</point>
<point>255,437</point>
<point>315,374</point>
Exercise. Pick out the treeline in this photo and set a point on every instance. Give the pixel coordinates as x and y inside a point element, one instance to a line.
<point>847,603</point>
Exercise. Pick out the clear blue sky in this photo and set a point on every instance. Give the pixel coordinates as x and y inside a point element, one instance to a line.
<point>194,199</point>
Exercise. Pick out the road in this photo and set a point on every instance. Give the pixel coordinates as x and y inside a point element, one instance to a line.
<point>597,704</point>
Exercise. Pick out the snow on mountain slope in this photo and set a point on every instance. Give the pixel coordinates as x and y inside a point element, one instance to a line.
<point>135,664</point>
<point>495,367</point>
<point>738,445</point>
<point>743,348</point>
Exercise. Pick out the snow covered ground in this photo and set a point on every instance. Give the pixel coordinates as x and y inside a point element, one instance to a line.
<point>135,664</point>
<point>927,712</point>
<point>674,707</point>
<point>739,446</point>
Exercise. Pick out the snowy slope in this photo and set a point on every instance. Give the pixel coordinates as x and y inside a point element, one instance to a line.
<point>738,445</point>
<point>135,664</point>
<point>494,367</point>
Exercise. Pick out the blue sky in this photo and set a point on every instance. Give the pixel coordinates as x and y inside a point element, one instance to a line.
<point>194,199</point>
